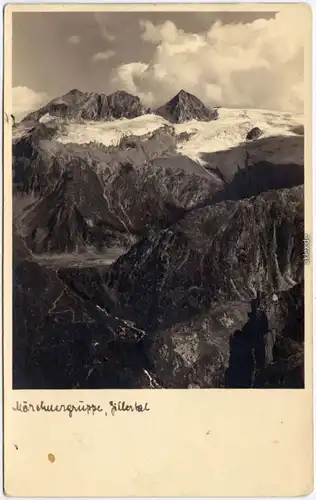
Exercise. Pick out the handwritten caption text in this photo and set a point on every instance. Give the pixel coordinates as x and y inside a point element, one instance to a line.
<point>89,409</point>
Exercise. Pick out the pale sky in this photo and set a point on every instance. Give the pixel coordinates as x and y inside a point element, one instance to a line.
<point>227,59</point>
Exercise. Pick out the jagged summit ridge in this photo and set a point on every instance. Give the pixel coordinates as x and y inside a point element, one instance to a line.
<point>77,105</point>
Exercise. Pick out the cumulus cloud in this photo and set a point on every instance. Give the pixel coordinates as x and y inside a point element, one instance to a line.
<point>25,100</point>
<point>132,77</point>
<point>74,39</point>
<point>258,65</point>
<point>103,56</point>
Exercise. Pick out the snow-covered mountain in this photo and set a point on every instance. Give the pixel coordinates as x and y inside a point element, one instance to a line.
<point>228,131</point>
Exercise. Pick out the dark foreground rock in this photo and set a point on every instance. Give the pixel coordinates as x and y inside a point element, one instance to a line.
<point>238,345</point>
<point>193,292</point>
<point>63,339</point>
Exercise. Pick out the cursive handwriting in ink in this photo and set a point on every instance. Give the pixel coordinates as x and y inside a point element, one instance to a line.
<point>123,406</point>
<point>89,409</point>
<point>81,407</point>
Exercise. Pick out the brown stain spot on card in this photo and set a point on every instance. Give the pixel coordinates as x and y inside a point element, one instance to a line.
<point>275,441</point>
<point>51,457</point>
<point>208,433</point>
<point>16,446</point>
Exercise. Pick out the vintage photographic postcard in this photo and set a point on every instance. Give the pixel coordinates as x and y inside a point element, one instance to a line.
<point>157,250</point>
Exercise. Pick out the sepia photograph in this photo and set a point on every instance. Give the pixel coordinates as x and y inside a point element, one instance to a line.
<point>158,199</point>
<point>157,234</point>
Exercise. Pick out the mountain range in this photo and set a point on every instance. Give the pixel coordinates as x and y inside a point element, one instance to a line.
<point>159,249</point>
<point>79,105</point>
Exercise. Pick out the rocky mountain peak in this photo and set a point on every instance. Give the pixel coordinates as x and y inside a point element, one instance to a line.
<point>122,94</point>
<point>124,105</point>
<point>184,107</point>
<point>77,105</point>
<point>183,92</point>
<point>75,92</point>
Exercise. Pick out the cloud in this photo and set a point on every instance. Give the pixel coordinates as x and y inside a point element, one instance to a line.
<point>130,76</point>
<point>258,64</point>
<point>25,100</point>
<point>107,35</point>
<point>103,56</point>
<point>74,39</point>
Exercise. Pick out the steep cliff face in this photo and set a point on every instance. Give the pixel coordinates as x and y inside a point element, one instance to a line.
<point>221,252</point>
<point>124,105</point>
<point>124,181</point>
<point>64,219</point>
<point>31,160</point>
<point>184,107</point>
<point>228,346</point>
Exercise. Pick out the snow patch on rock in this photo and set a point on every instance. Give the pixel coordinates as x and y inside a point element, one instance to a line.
<point>110,133</point>
<point>231,128</point>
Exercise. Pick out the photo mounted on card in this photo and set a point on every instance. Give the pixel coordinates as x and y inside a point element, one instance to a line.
<point>157,250</point>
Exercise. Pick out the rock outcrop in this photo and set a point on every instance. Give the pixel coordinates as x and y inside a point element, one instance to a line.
<point>254,133</point>
<point>218,253</point>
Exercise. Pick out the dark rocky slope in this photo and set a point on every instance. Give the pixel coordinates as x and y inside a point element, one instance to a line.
<point>192,289</point>
<point>173,312</point>
<point>223,252</point>
<point>124,180</point>
<point>74,345</point>
<point>261,177</point>
<point>282,159</point>
<point>62,340</point>
<point>58,179</point>
<point>236,345</point>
